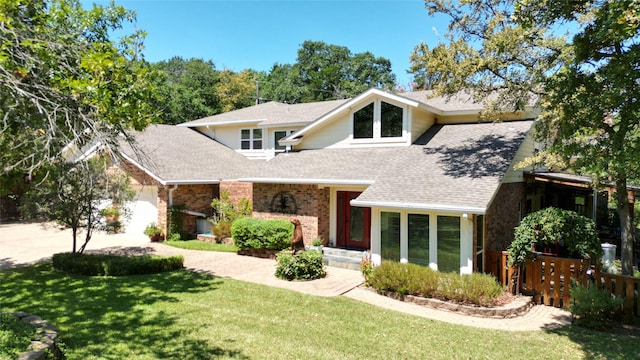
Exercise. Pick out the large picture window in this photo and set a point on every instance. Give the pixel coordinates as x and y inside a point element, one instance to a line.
<point>363,123</point>
<point>418,238</point>
<point>390,235</point>
<point>448,244</point>
<point>251,139</point>
<point>390,120</point>
<point>378,120</point>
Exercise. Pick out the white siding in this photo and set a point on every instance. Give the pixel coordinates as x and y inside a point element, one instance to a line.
<point>420,121</point>
<point>526,149</point>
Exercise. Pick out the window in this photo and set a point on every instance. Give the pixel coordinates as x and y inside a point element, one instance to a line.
<point>378,120</point>
<point>277,135</point>
<point>390,120</point>
<point>390,235</point>
<point>251,139</point>
<point>418,239</point>
<point>448,244</point>
<point>363,123</point>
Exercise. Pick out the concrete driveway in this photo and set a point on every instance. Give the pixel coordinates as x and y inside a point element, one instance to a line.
<point>24,244</point>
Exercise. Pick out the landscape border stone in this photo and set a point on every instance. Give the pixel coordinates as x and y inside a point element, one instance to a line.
<point>519,306</point>
<point>45,338</point>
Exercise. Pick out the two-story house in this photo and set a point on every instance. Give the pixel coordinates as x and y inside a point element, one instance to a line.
<point>408,177</point>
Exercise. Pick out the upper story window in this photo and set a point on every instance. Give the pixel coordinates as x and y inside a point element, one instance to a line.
<point>251,139</point>
<point>277,135</point>
<point>378,119</point>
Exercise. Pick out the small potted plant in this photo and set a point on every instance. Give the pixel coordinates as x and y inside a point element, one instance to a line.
<point>316,244</point>
<point>112,219</point>
<point>154,232</point>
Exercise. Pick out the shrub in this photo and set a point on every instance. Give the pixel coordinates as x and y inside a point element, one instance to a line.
<point>15,336</point>
<point>226,212</point>
<point>305,265</point>
<point>412,279</point>
<point>115,265</point>
<point>550,226</point>
<point>250,233</point>
<point>593,307</point>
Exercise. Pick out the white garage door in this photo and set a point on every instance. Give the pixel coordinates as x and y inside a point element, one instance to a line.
<point>143,209</point>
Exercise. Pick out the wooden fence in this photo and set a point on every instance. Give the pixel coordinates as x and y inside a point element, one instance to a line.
<point>548,280</point>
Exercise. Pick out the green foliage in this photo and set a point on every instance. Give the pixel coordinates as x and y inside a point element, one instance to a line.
<point>326,72</point>
<point>176,220</point>
<point>72,195</point>
<point>153,230</point>
<point>594,307</point>
<point>316,241</point>
<point>187,91</point>
<point>550,226</point>
<point>305,265</point>
<point>115,265</point>
<point>201,245</point>
<point>174,237</point>
<point>412,279</point>
<point>366,266</point>
<point>251,233</point>
<point>67,81</point>
<point>226,212</point>
<point>15,336</point>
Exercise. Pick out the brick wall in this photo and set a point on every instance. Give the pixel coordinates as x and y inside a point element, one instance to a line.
<point>195,198</point>
<point>237,190</point>
<point>308,203</point>
<point>503,215</point>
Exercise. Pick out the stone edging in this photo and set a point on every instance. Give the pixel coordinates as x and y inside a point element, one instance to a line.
<point>517,307</point>
<point>46,335</point>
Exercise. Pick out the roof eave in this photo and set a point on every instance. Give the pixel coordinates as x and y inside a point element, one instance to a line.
<point>421,206</point>
<point>221,123</point>
<point>305,181</point>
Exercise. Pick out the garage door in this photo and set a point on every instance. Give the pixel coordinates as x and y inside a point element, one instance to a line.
<point>143,209</point>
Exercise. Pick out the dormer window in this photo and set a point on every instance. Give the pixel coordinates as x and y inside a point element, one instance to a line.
<point>377,120</point>
<point>251,139</point>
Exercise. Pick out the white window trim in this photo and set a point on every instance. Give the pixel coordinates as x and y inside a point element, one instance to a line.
<point>377,123</point>
<point>251,140</point>
<point>467,252</point>
<point>275,142</point>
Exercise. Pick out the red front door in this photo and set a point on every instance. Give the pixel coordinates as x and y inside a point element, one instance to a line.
<point>354,223</point>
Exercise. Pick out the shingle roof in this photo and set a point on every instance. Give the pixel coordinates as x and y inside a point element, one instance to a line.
<point>272,113</point>
<point>457,166</point>
<point>179,154</point>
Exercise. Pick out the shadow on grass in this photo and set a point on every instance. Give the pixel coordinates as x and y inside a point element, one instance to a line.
<point>112,317</point>
<point>620,342</point>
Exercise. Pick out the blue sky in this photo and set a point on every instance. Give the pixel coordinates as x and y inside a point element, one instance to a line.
<point>243,34</point>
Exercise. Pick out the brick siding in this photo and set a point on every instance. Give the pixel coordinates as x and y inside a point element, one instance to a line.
<point>311,207</point>
<point>502,216</point>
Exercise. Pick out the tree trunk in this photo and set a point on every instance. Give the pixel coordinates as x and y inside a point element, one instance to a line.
<point>74,232</point>
<point>626,227</point>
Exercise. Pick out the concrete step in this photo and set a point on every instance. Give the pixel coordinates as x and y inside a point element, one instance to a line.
<point>341,258</point>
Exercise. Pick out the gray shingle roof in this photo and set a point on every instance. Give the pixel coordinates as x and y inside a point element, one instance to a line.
<point>457,166</point>
<point>272,113</point>
<point>179,154</point>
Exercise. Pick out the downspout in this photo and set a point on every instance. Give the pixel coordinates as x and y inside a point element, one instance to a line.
<point>175,186</point>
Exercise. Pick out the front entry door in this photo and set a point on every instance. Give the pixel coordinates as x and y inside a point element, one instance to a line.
<point>354,223</point>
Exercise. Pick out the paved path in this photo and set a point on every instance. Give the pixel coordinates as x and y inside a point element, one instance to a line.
<point>23,244</point>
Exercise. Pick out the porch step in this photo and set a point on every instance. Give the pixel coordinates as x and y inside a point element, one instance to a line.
<point>341,258</point>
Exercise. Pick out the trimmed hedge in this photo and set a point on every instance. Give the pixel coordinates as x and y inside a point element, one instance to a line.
<point>115,265</point>
<point>305,265</point>
<point>412,279</point>
<point>251,233</point>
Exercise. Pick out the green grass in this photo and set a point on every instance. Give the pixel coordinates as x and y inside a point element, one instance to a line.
<point>185,315</point>
<point>15,336</point>
<point>201,245</point>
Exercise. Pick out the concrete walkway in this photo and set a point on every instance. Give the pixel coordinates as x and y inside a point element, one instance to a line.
<point>23,244</point>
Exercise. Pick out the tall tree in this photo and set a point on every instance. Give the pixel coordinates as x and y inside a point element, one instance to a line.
<point>237,90</point>
<point>508,50</point>
<point>63,80</point>
<point>188,89</point>
<point>327,72</point>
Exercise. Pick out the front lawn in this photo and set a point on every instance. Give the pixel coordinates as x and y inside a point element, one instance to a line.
<point>201,245</point>
<point>185,315</point>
